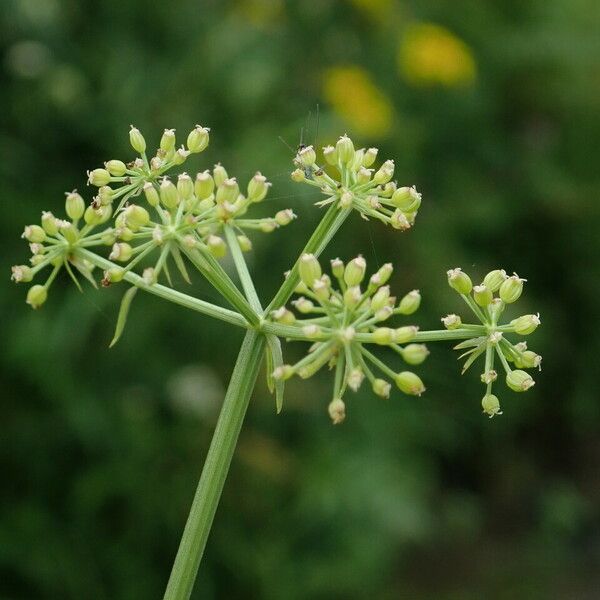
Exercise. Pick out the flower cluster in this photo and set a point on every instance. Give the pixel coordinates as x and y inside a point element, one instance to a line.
<point>357,185</point>
<point>487,302</point>
<point>342,320</point>
<point>171,218</point>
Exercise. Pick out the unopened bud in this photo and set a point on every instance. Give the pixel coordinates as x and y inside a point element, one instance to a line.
<point>381,387</point>
<point>284,316</point>
<point>529,360</point>
<point>459,281</point>
<point>303,305</point>
<point>380,298</point>
<point>49,224</point>
<point>167,141</point>
<point>257,187</point>
<point>121,251</point>
<point>345,150</point>
<point>36,296</point>
<point>185,186</point>
<point>204,185</point>
<point>197,139</point>
<point>409,383</point>
<point>34,233</point>
<point>355,379</point>
<point>307,156</point>
<point>283,372</point>
<point>399,221</point>
<point>330,155</point>
<point>355,271</point>
<point>352,296</point>
<point>384,173</point>
<point>117,168</point>
<point>519,381</point>
<point>337,411</point>
<point>298,175</point>
<point>309,269</point>
<point>494,279</point>
<point>526,324</point>
<point>168,194</point>
<point>369,157</point>
<point>285,217</point>
<point>337,268</point>
<point>491,405</point>
<point>451,321</point>
<point>21,274</point>
<point>415,354</point>
<point>410,303</point>
<point>136,216</point>
<point>383,336</point>
<point>407,199</point>
<point>405,334</point>
<point>74,206</point>
<point>149,276</point>
<point>511,289</point>
<point>138,143</point>
<point>217,246</point>
<point>482,295</point>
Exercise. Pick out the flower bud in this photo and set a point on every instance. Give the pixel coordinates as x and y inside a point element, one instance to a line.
<point>355,379</point>
<point>136,139</point>
<point>526,324</point>
<point>409,383</point>
<point>363,175</point>
<point>69,232</point>
<point>385,172</point>
<point>99,177</point>
<point>415,354</point>
<point>117,168</point>
<point>245,243</point>
<point>217,246</point>
<point>383,313</point>
<point>303,305</point>
<point>494,279</point>
<point>197,139</point>
<point>121,251</point>
<point>49,224</point>
<point>482,295</point>
<point>136,216</point>
<point>490,405</point>
<point>298,175</point>
<point>337,268</point>
<point>346,200</point>
<point>311,331</point>
<point>383,275</point>
<point>167,141</point>
<point>529,360</point>
<point>380,298</point>
<point>204,185</point>
<point>345,149</point>
<point>352,296</point>
<point>519,381</point>
<point>369,157</point>
<point>381,387</point>
<point>97,216</point>
<point>228,191</point>
<point>309,269</point>
<point>511,289</point>
<point>307,156</point>
<point>405,334</point>
<point>168,194</point>
<point>105,195</point>
<point>114,275</point>
<point>257,187</point>
<point>337,411</point>
<point>383,336</point>
<point>410,303</point>
<point>489,377</point>
<point>399,221</point>
<point>451,321</point>
<point>149,276</point>
<point>21,273</point>
<point>283,372</point>
<point>74,206</point>
<point>34,233</point>
<point>330,155</point>
<point>284,316</point>
<point>355,271</point>
<point>185,186</point>
<point>407,199</point>
<point>36,248</point>
<point>321,290</point>
<point>459,281</point>
<point>36,296</point>
<point>180,156</point>
<point>285,217</point>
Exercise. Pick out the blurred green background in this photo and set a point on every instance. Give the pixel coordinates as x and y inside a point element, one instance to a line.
<point>493,110</point>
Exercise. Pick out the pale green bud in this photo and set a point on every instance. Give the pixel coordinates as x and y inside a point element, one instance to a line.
<point>459,281</point>
<point>69,232</point>
<point>405,334</point>
<point>36,248</point>
<point>489,377</point>
<point>217,246</point>
<point>136,139</point>
<point>526,324</point>
<point>330,155</point>
<point>494,279</point>
<point>399,221</point>
<point>357,160</point>
<point>105,195</point>
<point>34,233</point>
<point>309,269</point>
<point>337,268</point>
<point>180,156</point>
<point>283,372</point>
<point>228,191</point>
<point>268,225</point>
<point>258,187</point>
<point>529,360</point>
<point>383,313</point>
<point>284,316</point>
<point>346,200</point>
<point>337,411</point>
<point>369,157</point>
<point>49,224</point>
<point>407,199</point>
<point>167,141</point>
<point>363,175</point>
<point>117,168</point>
<point>409,383</point>
<point>311,331</point>
<point>415,354</point>
<point>136,216</point>
<point>451,321</point>
<point>185,186</point>
<point>519,381</point>
<point>21,274</point>
<point>36,296</point>
<point>321,289</point>
<point>149,276</point>
<point>285,217</point>
<point>381,387</point>
<point>482,295</point>
<point>245,243</point>
<point>511,289</point>
<point>410,303</point>
<point>99,177</point>
<point>384,173</point>
<point>382,276</point>
<point>380,298</point>
<point>298,175</point>
<point>219,174</point>
<point>345,150</point>
<point>198,138</point>
<point>383,336</point>
<point>204,185</point>
<point>355,271</point>
<point>303,305</point>
<point>74,206</point>
<point>114,275</point>
<point>307,156</point>
<point>97,216</point>
<point>491,405</point>
<point>352,296</point>
<point>121,251</point>
<point>355,379</point>
<point>168,194</point>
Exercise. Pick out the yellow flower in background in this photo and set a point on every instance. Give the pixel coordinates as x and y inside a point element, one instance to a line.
<point>260,12</point>
<point>430,54</point>
<point>377,9</point>
<point>355,97</point>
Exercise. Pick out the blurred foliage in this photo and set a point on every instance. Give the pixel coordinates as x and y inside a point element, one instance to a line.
<point>493,111</point>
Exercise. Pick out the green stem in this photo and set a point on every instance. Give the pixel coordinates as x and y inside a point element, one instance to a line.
<point>167,293</point>
<point>242,269</point>
<point>208,493</point>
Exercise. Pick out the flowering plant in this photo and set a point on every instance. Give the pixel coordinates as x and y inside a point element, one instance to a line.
<point>149,224</point>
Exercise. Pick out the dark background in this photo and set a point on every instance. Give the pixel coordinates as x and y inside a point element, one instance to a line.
<point>493,110</point>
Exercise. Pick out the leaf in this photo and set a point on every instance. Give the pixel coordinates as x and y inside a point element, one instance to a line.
<point>269,367</point>
<point>180,264</point>
<point>167,273</point>
<point>123,312</point>
<point>83,270</point>
<point>470,343</point>
<point>72,275</point>
<point>276,357</point>
<point>476,354</point>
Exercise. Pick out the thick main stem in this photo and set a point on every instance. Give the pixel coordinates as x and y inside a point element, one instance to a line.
<point>208,492</point>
